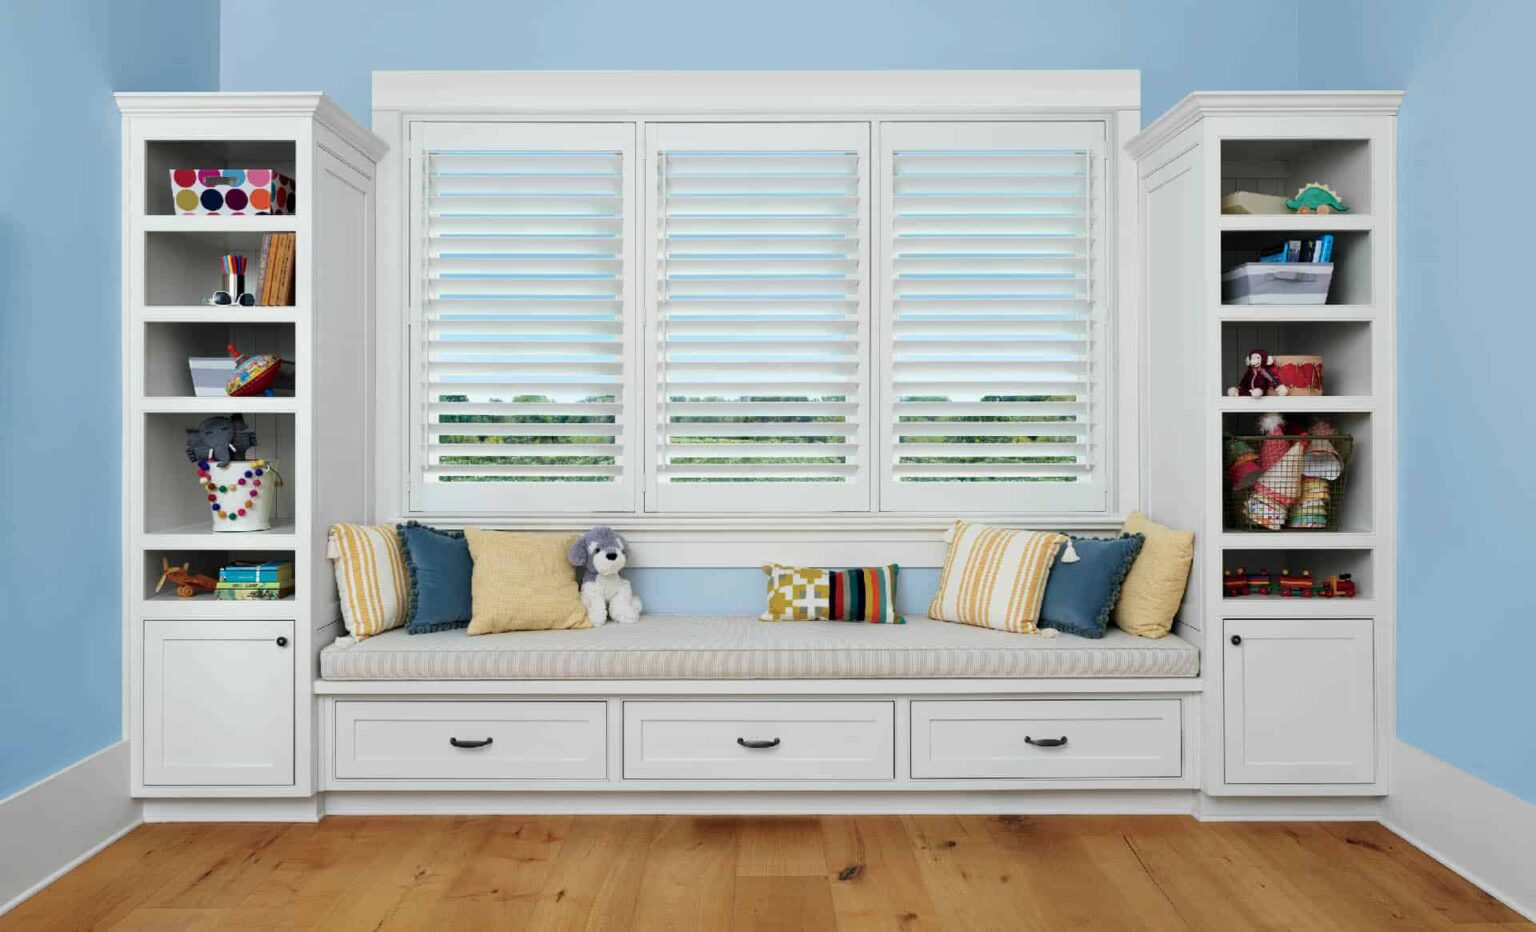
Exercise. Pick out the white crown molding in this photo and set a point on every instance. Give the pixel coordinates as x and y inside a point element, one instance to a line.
<point>63,819</point>
<point>220,104</point>
<point>1201,104</point>
<point>764,92</point>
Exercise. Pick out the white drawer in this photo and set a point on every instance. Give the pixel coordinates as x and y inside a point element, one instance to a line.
<point>1104,738</point>
<point>759,740</point>
<point>471,740</point>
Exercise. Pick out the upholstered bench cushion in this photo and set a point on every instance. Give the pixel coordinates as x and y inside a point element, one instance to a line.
<point>727,647</point>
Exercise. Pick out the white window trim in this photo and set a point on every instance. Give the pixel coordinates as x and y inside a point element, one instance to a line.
<point>401,98</point>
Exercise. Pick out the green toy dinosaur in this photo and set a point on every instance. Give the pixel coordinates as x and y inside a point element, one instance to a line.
<point>1316,198</point>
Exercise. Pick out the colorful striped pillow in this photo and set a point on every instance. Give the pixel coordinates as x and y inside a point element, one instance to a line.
<point>867,594</point>
<point>994,577</point>
<point>370,577</point>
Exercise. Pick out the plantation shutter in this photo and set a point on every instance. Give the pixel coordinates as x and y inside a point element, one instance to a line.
<point>992,310</point>
<point>760,305</point>
<point>522,318</point>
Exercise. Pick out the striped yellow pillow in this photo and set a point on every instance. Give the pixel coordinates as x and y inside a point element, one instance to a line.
<point>522,581</point>
<point>994,577</point>
<point>370,577</point>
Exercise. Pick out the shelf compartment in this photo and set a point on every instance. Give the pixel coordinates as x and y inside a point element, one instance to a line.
<point>182,268</point>
<point>1351,253</point>
<point>1281,166</point>
<point>167,347</point>
<point>1345,348</point>
<point>175,506</point>
<point>1350,499</point>
<point>163,155</point>
<point>1322,563</point>
<point>166,603</point>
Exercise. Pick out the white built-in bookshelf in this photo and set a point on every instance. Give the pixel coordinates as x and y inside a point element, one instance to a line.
<point>1298,692</point>
<point>217,693</point>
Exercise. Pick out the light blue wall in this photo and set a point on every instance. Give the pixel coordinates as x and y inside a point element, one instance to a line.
<point>1466,503</point>
<point>61,659</point>
<point>1180,45</point>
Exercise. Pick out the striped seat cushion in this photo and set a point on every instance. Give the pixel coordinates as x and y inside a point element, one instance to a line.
<point>739,647</point>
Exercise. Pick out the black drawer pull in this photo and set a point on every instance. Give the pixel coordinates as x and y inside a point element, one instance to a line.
<point>1237,640</point>
<point>1046,742</point>
<point>462,743</point>
<point>757,745</point>
<point>282,642</point>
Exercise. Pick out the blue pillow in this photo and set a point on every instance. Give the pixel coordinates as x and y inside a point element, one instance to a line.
<point>439,567</point>
<point>1079,596</point>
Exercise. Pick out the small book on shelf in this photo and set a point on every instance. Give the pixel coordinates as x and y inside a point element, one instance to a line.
<point>259,594</point>
<point>272,572</point>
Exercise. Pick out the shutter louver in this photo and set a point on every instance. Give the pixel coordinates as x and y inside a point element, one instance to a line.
<point>760,308</point>
<point>991,317</point>
<point>524,308</point>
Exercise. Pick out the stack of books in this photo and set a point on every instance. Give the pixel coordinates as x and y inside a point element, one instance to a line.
<point>245,582</point>
<point>274,271</point>
<point>1301,250</point>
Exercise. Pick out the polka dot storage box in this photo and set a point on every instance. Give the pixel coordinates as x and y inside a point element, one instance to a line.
<point>231,191</point>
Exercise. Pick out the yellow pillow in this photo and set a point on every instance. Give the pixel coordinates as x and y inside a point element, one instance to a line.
<point>994,577</point>
<point>1153,589</point>
<point>371,580</point>
<point>522,582</point>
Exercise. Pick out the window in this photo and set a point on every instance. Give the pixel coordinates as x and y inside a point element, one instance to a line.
<point>859,315</point>
<point>526,318</point>
<point>761,312</point>
<point>991,254</point>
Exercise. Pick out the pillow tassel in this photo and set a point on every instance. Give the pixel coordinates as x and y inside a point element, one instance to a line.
<point>1069,555</point>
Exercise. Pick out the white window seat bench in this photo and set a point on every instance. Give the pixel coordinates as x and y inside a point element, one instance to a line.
<point>729,647</point>
<point>701,707</point>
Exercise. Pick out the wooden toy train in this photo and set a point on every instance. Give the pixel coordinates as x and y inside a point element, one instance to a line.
<point>1239,583</point>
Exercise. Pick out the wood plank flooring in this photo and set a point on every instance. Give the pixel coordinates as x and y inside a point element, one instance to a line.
<point>710,873</point>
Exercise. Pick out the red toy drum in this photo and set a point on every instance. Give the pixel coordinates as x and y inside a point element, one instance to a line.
<point>1301,375</point>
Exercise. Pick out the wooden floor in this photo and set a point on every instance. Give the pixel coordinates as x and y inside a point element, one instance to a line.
<point>687,872</point>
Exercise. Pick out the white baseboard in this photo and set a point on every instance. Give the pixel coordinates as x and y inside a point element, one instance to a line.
<point>61,820</point>
<point>222,809</point>
<point>1476,829</point>
<point>1043,802</point>
<point>1288,808</point>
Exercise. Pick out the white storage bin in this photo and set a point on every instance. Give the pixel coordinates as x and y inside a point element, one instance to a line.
<point>210,374</point>
<point>1277,283</point>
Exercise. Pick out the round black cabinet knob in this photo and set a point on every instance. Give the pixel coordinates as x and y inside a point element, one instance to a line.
<point>282,642</point>
<point>1237,639</point>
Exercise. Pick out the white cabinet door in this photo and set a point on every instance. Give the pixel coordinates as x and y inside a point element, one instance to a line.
<point>218,703</point>
<point>1300,701</point>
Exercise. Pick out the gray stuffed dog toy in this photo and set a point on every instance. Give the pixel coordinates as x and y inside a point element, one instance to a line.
<point>606,594</point>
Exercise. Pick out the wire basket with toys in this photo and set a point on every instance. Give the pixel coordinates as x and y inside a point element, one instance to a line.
<point>1280,480</point>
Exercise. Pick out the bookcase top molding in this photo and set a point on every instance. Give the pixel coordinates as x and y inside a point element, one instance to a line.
<point>305,104</point>
<point>1202,104</point>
